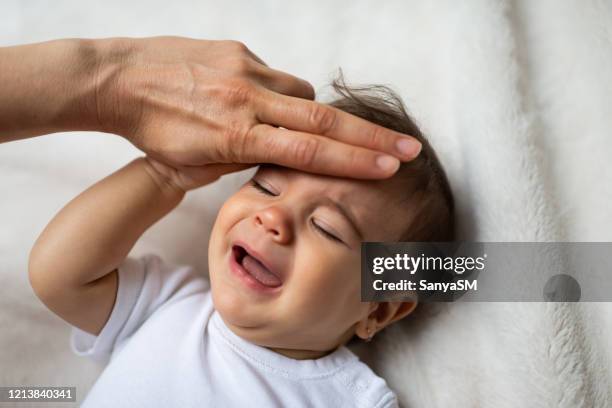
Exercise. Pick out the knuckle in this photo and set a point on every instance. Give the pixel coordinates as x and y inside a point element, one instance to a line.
<point>304,152</point>
<point>237,46</point>
<point>238,92</point>
<point>355,159</point>
<point>236,144</point>
<point>322,118</point>
<point>375,137</point>
<point>263,145</point>
<point>242,65</point>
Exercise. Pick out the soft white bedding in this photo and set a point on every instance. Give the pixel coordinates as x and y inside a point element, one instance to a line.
<point>514,96</point>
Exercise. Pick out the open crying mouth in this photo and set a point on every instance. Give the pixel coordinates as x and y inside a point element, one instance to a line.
<point>255,268</point>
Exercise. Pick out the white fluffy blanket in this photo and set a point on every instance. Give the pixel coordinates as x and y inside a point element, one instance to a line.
<point>515,97</point>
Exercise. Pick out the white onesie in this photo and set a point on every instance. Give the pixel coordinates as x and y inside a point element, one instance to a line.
<point>168,347</point>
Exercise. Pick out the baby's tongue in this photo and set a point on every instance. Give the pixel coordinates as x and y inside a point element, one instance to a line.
<point>259,272</point>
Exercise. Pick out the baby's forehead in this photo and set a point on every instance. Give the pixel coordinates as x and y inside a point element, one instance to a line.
<point>343,185</point>
<point>377,205</point>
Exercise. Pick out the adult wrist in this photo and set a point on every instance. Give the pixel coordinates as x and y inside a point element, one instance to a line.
<point>113,94</point>
<point>66,85</point>
<point>68,96</point>
<point>47,87</point>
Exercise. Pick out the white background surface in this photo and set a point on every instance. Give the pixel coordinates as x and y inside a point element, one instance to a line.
<point>513,95</point>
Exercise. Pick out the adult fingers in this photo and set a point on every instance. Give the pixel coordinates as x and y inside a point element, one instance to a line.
<point>255,57</point>
<point>283,83</point>
<point>316,118</point>
<point>313,153</point>
<point>279,81</point>
<point>274,80</point>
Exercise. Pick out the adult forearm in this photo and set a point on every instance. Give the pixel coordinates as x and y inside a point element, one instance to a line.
<point>51,87</point>
<point>93,233</point>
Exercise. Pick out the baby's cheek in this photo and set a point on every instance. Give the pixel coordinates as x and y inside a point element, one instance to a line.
<point>344,283</point>
<point>325,279</point>
<point>230,213</point>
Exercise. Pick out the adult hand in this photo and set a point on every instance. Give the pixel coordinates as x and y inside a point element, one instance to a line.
<point>193,102</point>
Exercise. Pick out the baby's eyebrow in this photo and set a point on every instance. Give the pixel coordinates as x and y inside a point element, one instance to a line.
<point>349,216</point>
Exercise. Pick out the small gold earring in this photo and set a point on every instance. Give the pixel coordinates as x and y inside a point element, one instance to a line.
<point>370,335</point>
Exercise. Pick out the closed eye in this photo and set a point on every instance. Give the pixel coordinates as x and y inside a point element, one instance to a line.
<point>326,233</point>
<point>256,185</point>
<point>261,188</point>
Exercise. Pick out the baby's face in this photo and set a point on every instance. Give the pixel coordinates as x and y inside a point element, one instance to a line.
<point>307,229</point>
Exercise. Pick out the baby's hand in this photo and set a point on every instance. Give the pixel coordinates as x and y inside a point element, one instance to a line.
<point>185,178</point>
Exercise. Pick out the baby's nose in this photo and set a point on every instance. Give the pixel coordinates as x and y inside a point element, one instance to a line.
<point>276,222</point>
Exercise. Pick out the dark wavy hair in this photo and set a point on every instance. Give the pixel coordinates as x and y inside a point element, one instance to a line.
<point>428,192</point>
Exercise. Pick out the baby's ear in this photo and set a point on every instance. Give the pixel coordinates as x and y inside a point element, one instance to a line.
<point>390,312</point>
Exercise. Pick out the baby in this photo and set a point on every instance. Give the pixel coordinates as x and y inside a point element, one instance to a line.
<point>270,330</point>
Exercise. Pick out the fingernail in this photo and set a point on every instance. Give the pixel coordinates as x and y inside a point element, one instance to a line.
<point>408,147</point>
<point>387,163</point>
